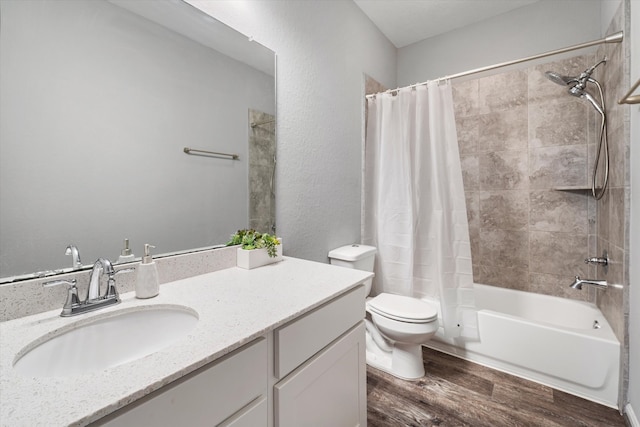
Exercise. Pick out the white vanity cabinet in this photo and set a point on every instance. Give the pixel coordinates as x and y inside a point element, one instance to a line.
<point>320,361</point>
<point>311,371</point>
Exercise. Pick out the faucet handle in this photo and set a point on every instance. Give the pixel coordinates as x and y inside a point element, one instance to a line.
<point>123,270</point>
<point>72,294</point>
<point>112,291</point>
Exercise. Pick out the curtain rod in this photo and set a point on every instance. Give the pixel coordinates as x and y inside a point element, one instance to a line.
<point>612,38</point>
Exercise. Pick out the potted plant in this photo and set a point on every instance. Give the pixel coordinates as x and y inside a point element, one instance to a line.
<point>257,249</point>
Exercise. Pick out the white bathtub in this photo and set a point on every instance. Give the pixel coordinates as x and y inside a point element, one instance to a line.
<point>546,339</point>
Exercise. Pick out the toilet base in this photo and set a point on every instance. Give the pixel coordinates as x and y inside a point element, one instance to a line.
<point>403,361</point>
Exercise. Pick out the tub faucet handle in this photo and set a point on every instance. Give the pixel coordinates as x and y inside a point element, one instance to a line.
<point>602,261</point>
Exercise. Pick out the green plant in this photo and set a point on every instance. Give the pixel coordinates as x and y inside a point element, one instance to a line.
<point>251,239</point>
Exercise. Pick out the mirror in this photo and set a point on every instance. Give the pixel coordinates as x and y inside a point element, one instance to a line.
<point>99,100</point>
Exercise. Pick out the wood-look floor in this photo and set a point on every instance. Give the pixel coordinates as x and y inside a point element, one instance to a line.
<point>456,392</point>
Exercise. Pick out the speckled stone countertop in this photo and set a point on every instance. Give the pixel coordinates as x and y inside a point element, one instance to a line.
<point>234,307</point>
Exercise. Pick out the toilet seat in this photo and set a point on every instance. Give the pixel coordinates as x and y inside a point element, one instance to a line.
<point>403,309</point>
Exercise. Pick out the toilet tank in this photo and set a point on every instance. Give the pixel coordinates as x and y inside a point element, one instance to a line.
<point>359,257</point>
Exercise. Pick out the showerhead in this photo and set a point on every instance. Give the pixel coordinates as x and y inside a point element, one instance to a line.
<point>561,80</point>
<point>578,85</point>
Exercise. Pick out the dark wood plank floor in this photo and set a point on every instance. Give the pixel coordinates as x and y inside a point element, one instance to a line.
<point>456,392</point>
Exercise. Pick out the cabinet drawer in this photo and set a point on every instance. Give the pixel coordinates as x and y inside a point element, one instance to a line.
<point>205,397</point>
<point>303,337</point>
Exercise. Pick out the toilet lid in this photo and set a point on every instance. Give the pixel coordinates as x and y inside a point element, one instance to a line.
<point>403,308</point>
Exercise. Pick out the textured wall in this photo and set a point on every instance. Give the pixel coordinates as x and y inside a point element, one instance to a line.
<point>322,48</point>
<point>529,30</point>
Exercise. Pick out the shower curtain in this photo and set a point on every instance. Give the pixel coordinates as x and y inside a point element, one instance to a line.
<point>414,205</point>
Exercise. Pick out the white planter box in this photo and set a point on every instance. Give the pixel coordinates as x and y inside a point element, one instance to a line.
<point>257,257</point>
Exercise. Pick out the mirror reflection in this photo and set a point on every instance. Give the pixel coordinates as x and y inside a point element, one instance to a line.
<point>99,100</point>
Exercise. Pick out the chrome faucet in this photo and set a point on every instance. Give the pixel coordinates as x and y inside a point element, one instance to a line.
<point>94,300</point>
<point>72,250</point>
<point>102,265</point>
<point>598,284</point>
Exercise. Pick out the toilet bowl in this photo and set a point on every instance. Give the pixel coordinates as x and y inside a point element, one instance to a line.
<point>396,325</point>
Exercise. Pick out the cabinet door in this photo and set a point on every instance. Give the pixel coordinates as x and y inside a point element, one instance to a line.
<point>328,390</point>
<point>205,397</point>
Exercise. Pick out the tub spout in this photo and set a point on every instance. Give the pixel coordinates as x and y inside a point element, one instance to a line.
<point>578,282</point>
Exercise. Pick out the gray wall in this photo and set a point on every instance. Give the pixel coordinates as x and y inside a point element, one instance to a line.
<point>323,48</point>
<point>533,29</point>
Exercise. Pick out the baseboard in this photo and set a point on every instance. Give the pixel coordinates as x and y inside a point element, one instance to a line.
<point>631,416</point>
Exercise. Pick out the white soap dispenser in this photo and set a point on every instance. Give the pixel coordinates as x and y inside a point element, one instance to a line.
<point>147,285</point>
<point>126,255</point>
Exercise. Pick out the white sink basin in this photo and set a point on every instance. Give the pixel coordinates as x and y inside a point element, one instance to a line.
<point>106,341</point>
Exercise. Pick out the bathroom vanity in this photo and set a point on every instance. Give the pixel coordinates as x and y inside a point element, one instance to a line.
<point>281,345</point>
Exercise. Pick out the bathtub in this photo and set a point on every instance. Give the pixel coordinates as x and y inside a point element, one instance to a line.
<point>545,339</point>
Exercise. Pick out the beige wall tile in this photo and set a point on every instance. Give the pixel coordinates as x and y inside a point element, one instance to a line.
<point>505,210</point>
<point>505,170</point>
<point>558,211</point>
<point>465,98</point>
<point>617,216</point>
<point>561,254</point>
<point>468,132</point>
<point>470,172</point>
<point>564,123</point>
<point>558,166</point>
<point>472,199</point>
<point>502,91</point>
<point>503,130</point>
<point>504,249</point>
<point>505,277</point>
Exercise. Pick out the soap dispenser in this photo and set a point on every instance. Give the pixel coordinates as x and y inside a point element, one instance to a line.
<point>147,285</point>
<point>126,255</point>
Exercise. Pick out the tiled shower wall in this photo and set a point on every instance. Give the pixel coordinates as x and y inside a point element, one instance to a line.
<point>526,149</point>
<point>613,210</point>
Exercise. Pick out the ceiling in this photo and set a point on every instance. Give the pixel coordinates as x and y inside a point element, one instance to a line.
<point>408,21</point>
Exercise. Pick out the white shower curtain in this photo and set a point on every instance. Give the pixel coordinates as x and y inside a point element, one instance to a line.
<point>414,204</point>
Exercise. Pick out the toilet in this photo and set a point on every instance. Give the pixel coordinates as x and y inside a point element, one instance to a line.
<point>396,325</point>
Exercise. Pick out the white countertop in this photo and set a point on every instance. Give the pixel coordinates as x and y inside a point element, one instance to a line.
<point>234,307</point>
